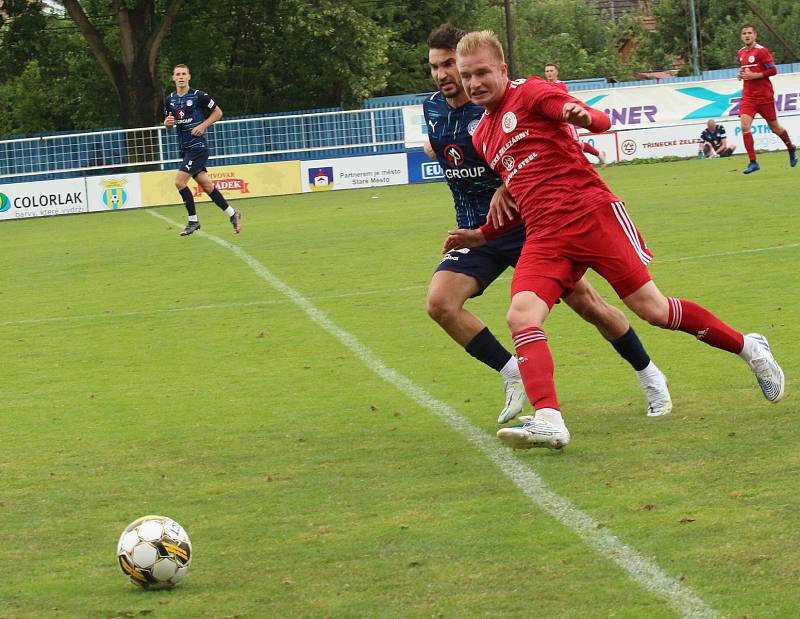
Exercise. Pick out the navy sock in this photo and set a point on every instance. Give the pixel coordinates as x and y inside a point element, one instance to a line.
<point>218,198</point>
<point>188,200</point>
<point>630,347</point>
<point>485,347</point>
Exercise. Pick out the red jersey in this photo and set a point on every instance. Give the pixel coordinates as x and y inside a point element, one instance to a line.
<point>526,143</point>
<point>560,84</point>
<point>758,60</point>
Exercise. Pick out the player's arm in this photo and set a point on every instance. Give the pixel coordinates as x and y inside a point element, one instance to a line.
<point>490,229</point>
<point>768,69</point>
<point>205,101</point>
<point>426,146</point>
<point>563,107</point>
<point>578,113</point>
<point>463,238</point>
<point>169,119</point>
<point>502,207</point>
<point>213,117</point>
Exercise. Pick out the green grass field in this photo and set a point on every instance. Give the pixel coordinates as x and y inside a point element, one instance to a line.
<point>147,373</point>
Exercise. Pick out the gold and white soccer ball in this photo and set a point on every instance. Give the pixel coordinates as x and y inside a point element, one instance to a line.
<point>154,552</point>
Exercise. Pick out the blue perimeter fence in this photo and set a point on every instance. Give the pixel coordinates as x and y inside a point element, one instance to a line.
<point>253,139</point>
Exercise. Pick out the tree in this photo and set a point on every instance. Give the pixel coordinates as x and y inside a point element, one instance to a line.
<point>19,40</point>
<point>568,33</point>
<point>47,80</point>
<point>281,55</point>
<point>408,25</point>
<point>719,25</point>
<point>129,62</point>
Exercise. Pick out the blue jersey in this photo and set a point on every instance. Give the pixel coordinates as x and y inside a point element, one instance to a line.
<point>189,111</point>
<point>471,181</point>
<point>714,137</point>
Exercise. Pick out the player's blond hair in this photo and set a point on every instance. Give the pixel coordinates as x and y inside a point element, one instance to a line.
<point>474,41</point>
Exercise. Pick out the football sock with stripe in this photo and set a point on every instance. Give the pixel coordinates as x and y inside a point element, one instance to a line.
<point>630,348</point>
<point>188,200</point>
<point>696,320</point>
<point>486,349</point>
<point>536,367</point>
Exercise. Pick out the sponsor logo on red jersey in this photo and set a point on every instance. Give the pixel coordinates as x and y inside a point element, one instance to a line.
<point>509,122</point>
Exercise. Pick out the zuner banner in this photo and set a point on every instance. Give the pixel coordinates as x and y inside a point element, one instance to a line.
<point>63,197</point>
<point>639,107</point>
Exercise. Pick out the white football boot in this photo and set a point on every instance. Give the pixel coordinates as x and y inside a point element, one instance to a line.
<point>654,383</point>
<point>601,156</point>
<point>515,400</point>
<point>534,433</point>
<point>768,373</point>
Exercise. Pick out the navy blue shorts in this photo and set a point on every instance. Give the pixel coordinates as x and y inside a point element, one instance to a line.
<point>194,162</point>
<point>486,263</point>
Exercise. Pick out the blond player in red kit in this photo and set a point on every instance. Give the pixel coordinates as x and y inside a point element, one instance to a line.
<point>573,222</point>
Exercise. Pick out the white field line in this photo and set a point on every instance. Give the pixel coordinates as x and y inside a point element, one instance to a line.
<point>343,295</point>
<point>737,252</point>
<point>195,308</point>
<point>641,568</point>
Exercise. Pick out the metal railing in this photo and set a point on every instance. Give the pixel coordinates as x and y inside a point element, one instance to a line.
<point>243,140</point>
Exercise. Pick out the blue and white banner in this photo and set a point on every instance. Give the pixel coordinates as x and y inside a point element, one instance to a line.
<point>353,172</point>
<point>421,169</point>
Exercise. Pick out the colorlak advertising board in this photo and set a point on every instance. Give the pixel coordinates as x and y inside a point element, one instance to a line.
<point>43,198</point>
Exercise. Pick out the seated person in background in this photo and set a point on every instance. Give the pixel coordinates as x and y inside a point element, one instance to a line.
<point>715,142</point>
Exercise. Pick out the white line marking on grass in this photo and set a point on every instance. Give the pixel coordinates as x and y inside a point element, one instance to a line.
<point>194,308</point>
<point>641,568</point>
<point>737,252</point>
<point>343,295</point>
<point>146,312</point>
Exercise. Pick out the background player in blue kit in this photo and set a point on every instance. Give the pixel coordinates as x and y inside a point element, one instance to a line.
<point>451,119</point>
<point>186,109</point>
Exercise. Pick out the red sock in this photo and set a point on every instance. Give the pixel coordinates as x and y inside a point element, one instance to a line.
<point>786,139</point>
<point>536,367</point>
<point>588,148</point>
<point>691,318</point>
<point>748,144</point>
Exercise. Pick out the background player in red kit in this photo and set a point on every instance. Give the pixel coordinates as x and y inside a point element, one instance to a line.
<point>551,75</point>
<point>758,96</point>
<point>572,222</point>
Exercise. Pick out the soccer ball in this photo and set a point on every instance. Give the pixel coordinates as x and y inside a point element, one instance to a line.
<point>154,552</point>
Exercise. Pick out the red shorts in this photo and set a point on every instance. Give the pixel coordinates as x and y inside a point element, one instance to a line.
<point>766,109</point>
<point>605,240</point>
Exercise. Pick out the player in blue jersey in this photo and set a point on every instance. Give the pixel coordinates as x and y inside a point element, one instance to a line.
<point>191,112</point>
<point>451,119</point>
